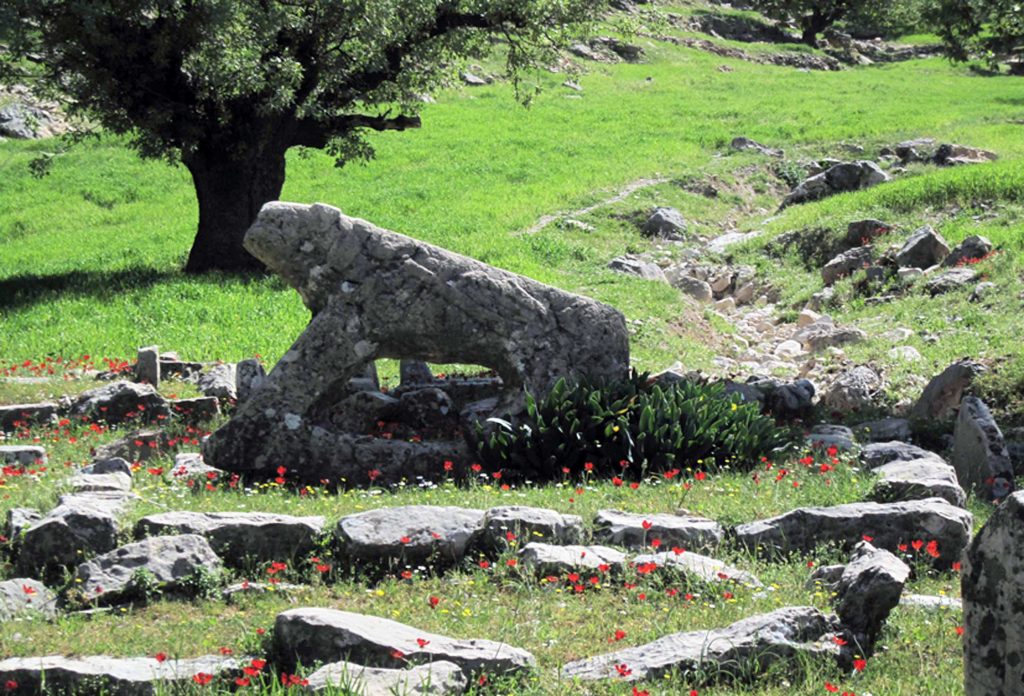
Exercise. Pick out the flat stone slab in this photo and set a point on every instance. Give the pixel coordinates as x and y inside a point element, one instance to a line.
<point>931,602</point>
<point>435,679</point>
<point>918,479</point>
<point>258,588</point>
<point>886,524</point>
<point>169,559</point>
<point>877,454</point>
<point>22,455</point>
<point>96,674</point>
<point>411,534</point>
<point>528,524</point>
<point>636,531</point>
<point>550,559</point>
<point>702,568</point>
<point>745,648</point>
<point>241,537</point>
<point>21,597</point>
<point>309,635</point>
<point>91,483</point>
<point>13,416</point>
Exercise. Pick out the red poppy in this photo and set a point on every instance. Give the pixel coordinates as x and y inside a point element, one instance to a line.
<point>422,642</point>
<point>434,601</point>
<point>160,657</point>
<point>616,481</point>
<point>859,665</point>
<point>623,670</point>
<point>202,678</point>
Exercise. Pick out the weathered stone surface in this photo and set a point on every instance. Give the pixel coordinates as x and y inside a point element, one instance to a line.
<point>948,281</point>
<point>18,520</point>
<point>931,601</point>
<point>951,154</point>
<point>876,454</point>
<point>824,334</point>
<point>97,675</point>
<point>917,480</point>
<point>924,249</point>
<point>665,222</point>
<point>137,446</point>
<point>80,527</point>
<point>845,176</point>
<point>992,587</point>
<point>29,414</point>
<point>629,265</point>
<point>527,524</point>
<point>147,366</point>
<point>249,375</point>
<point>197,410</point>
<point>22,455</point>
<point>847,263</point>
<point>411,534</point>
<point>941,396</point>
<point>853,390</point>
<point>636,531</point>
<point>258,588</point>
<point>219,381</point>
<point>27,122</point>
<point>189,466</point>
<point>693,287</point>
<point>327,635</point>
<point>241,537</point>
<point>702,568</point>
<point>888,525</point>
<point>744,143</point>
<point>119,401</point>
<point>375,294</point>
<point>869,588</point>
<point>738,651</point>
<point>826,436</point>
<point>89,483</point>
<point>26,597</point>
<point>983,291</point>
<point>114,465</point>
<point>438,678</point>
<point>884,430</point>
<point>170,559</point>
<point>865,231</point>
<point>980,457</point>
<point>551,559</point>
<point>974,248</point>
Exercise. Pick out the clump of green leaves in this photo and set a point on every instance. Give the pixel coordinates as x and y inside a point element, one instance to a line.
<point>992,30</point>
<point>627,427</point>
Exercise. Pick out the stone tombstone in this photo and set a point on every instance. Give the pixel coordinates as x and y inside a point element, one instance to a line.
<point>992,587</point>
<point>378,294</point>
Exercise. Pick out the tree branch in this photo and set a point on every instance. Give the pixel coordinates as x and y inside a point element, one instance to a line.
<point>316,133</point>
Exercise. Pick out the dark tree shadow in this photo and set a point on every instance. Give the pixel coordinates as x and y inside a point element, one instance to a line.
<point>27,289</point>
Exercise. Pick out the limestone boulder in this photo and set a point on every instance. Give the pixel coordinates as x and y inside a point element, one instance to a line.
<point>698,567</point>
<point>950,280</point>
<point>925,248</point>
<point>26,597</point>
<point>410,534</point>
<point>14,416</point>
<point>847,263</point>
<point>973,248</point>
<point>241,538</point>
<point>120,401</point>
<point>746,648</point>
<point>980,456</point>
<point>917,479</point>
<point>876,454</point>
<point>559,560</point>
<point>80,527</point>
<point>941,396</point>
<point>886,525</point>
<point>648,270</point>
<point>517,524</point>
<point>839,178</point>
<point>22,455</point>
<point>637,531</point>
<point>869,588</point>
<point>219,381</point>
<point>438,678</point>
<point>99,675</point>
<point>860,232</point>
<point>992,587</point>
<point>853,390</point>
<point>667,223</point>
<point>310,635</point>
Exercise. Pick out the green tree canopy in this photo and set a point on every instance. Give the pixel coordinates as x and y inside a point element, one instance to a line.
<point>225,87</point>
<point>992,30</point>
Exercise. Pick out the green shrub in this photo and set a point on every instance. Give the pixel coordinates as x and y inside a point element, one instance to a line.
<point>627,428</point>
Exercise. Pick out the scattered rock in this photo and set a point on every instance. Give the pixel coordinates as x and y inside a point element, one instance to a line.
<point>950,155</point>
<point>120,401</point>
<point>197,410</point>
<point>824,334</point>
<point>410,535</point>
<point>739,651</point>
<point>147,366</point>
<point>219,381</point>
<point>27,122</point>
<point>918,479</point>
<point>115,465</point>
<point>527,524</point>
<point>138,446</point>
<point>982,291</point>
<point>941,397</point>
<point>79,527</point>
<point>472,80</point>
<point>884,430</point>
<point>26,598</point>
<point>22,455</point>
<point>90,483</point>
<point>18,520</point>
<point>311,635</point>
<point>742,143</point>
<point>18,416</point>
<point>992,586</point>
<point>170,560</point>
<point>905,354</point>
<point>950,280</point>
<point>189,466</point>
<point>931,602</point>
<point>635,531</point>
<point>972,249</point>
<point>550,559</point>
<point>666,223</point>
<point>438,678</point>
<point>853,390</point>
<point>824,436</point>
<point>869,588</point>
<point>698,567</point>
<point>862,232</point>
<point>924,249</point>
<point>887,524</point>
<point>980,457</point>
<point>846,176</point>
<point>697,289</point>
<point>637,267</point>
<point>96,675</point>
<point>241,538</point>
<point>847,263</point>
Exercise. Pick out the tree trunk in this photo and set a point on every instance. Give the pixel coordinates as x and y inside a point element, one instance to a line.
<point>231,191</point>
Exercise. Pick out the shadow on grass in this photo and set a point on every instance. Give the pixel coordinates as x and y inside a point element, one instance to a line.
<point>27,289</point>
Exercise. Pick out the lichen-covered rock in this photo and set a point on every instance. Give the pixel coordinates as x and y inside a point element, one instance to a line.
<point>887,525</point>
<point>992,587</point>
<point>869,588</point>
<point>18,415</point>
<point>310,635</point>
<point>437,678</point>
<point>918,479</point>
<point>119,401</point>
<point>98,675</point>
<point>411,534</point>
<point>698,567</point>
<point>21,597</point>
<point>219,382</point>
<point>637,531</point>
<point>241,538</point>
<point>80,527</point>
<point>375,293</point>
<point>168,559</point>
<point>739,651</point>
<point>853,390</point>
<point>980,457</point>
